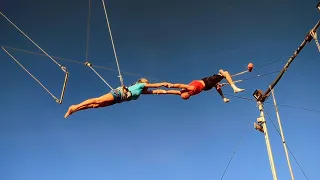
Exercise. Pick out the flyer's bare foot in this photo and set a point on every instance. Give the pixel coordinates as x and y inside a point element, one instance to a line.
<point>70,111</point>
<point>226,100</point>
<point>236,90</point>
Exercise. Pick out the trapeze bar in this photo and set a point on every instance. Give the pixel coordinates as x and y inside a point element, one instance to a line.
<point>224,84</point>
<point>64,86</point>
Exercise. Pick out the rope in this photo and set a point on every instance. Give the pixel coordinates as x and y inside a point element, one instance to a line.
<point>286,144</point>
<point>304,109</point>
<point>114,49</point>
<point>78,62</point>
<point>87,47</point>
<point>63,68</point>
<point>30,74</point>
<point>268,64</point>
<point>258,67</point>
<point>236,148</point>
<point>284,105</point>
<point>260,75</point>
<point>100,77</point>
<point>88,31</point>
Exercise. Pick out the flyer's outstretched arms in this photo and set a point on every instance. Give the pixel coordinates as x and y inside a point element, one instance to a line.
<point>156,85</point>
<point>162,91</point>
<point>180,86</point>
<point>156,91</point>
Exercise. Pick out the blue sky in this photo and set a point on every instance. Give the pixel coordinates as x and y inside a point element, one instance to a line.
<point>156,137</point>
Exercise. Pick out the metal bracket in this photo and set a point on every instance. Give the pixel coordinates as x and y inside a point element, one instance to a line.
<point>258,94</point>
<point>313,34</point>
<point>88,64</point>
<point>260,120</point>
<point>258,127</point>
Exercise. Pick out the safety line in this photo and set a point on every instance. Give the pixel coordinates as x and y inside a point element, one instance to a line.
<point>268,64</point>
<point>305,109</point>
<point>260,75</point>
<point>79,62</point>
<point>284,105</point>
<point>237,146</point>
<point>114,49</point>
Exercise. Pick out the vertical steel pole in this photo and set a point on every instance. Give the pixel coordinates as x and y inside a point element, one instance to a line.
<point>282,135</point>
<point>262,122</point>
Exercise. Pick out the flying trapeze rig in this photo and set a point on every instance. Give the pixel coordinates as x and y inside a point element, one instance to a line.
<point>259,95</point>
<point>87,63</point>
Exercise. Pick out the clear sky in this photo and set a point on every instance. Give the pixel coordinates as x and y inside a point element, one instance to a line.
<point>156,137</point>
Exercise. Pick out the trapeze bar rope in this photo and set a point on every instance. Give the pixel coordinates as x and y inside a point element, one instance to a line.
<point>57,100</point>
<point>307,39</point>
<point>88,31</point>
<point>62,68</point>
<point>114,49</point>
<point>90,66</point>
